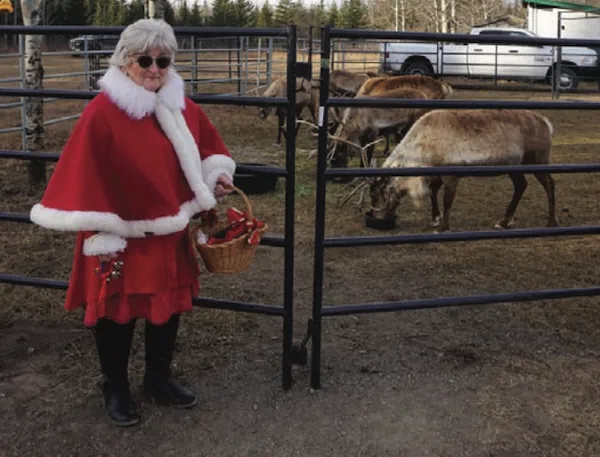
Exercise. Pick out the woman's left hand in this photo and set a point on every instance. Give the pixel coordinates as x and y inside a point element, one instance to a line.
<point>224,186</point>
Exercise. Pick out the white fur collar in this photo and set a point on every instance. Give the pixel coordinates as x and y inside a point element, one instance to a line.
<point>138,102</point>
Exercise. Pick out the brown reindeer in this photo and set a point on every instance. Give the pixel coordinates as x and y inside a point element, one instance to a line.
<point>343,83</point>
<point>432,88</point>
<point>466,137</point>
<point>363,125</point>
<point>304,99</point>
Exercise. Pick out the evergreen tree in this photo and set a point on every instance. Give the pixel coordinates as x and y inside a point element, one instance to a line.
<point>183,14</point>
<point>265,15</point>
<point>222,13</point>
<point>169,13</point>
<point>205,13</point>
<point>243,13</point>
<point>54,12</point>
<point>121,13</point>
<point>354,14</point>
<point>112,12</point>
<point>333,16</point>
<point>285,13</point>
<point>100,10</point>
<point>320,18</point>
<point>75,12</point>
<point>136,11</point>
<point>90,10</point>
<point>195,15</point>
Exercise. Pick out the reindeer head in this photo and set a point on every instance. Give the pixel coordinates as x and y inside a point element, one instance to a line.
<point>275,89</point>
<point>387,192</point>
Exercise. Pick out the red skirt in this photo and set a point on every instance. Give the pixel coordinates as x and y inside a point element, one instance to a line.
<point>159,278</point>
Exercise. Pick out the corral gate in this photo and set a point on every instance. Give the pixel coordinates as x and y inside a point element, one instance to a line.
<point>288,173</point>
<point>322,242</point>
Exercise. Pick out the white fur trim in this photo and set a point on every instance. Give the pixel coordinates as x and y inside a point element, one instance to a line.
<point>110,222</point>
<point>172,93</point>
<point>173,124</point>
<point>103,243</point>
<point>138,102</point>
<point>215,166</point>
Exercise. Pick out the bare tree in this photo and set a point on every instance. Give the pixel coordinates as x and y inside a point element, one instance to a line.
<point>34,77</point>
<point>153,9</point>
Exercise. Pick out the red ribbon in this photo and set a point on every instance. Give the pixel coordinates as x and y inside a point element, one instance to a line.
<point>239,225</point>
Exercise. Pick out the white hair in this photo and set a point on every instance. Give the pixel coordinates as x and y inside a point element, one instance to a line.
<point>141,36</point>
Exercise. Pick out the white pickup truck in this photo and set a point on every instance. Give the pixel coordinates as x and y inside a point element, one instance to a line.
<point>507,62</point>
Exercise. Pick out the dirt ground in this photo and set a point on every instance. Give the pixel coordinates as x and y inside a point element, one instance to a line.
<point>496,381</point>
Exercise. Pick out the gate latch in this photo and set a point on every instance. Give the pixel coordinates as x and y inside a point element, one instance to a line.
<point>299,354</point>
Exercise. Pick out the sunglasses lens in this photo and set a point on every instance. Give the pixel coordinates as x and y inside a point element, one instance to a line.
<point>145,61</point>
<point>163,62</point>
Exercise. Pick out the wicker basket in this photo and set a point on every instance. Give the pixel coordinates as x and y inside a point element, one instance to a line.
<point>232,256</point>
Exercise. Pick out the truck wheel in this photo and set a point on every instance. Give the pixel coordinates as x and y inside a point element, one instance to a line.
<point>418,68</point>
<point>567,80</point>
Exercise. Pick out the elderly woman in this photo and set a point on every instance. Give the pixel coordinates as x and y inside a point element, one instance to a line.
<point>142,160</point>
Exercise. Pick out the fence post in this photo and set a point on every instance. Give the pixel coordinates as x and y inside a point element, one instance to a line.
<point>246,50</point>
<point>290,184</point>
<point>258,61</point>
<point>310,48</point>
<point>557,78</point>
<point>22,75</point>
<point>315,370</point>
<point>195,66</point>
<point>270,61</point>
<point>239,65</point>
<point>229,66</point>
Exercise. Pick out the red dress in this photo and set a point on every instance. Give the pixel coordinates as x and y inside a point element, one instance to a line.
<point>135,178</point>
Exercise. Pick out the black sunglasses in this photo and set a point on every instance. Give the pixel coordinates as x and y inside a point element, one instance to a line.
<point>162,62</point>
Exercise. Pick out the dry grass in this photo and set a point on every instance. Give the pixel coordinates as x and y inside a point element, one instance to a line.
<point>504,359</point>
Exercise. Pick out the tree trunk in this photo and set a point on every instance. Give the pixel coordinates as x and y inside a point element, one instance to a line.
<point>154,9</point>
<point>443,17</point>
<point>403,15</point>
<point>34,76</point>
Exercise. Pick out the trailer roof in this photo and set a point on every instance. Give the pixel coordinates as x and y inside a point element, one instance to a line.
<point>563,5</point>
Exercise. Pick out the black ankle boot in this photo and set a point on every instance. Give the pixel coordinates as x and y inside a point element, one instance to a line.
<point>159,383</point>
<point>113,342</point>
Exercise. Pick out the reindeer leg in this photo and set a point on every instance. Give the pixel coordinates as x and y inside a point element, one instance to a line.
<point>520,184</point>
<point>436,216</point>
<point>298,116</point>
<point>280,121</point>
<point>547,182</point>
<point>450,185</point>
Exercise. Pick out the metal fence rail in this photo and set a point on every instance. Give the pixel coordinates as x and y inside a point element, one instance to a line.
<point>322,242</point>
<point>288,173</point>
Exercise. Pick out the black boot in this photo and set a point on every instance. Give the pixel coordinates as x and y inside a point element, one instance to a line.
<point>113,341</point>
<point>158,380</point>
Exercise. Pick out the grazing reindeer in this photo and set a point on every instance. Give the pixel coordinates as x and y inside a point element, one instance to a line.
<point>304,99</point>
<point>363,125</point>
<point>432,88</point>
<point>466,137</point>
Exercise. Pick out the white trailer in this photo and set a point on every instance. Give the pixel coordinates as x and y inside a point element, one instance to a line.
<point>546,18</point>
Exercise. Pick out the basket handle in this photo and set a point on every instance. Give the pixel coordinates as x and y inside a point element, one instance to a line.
<point>246,200</point>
